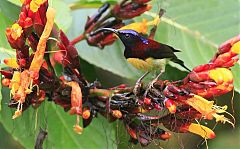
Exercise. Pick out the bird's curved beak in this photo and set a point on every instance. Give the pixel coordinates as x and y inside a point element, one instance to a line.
<point>107,29</point>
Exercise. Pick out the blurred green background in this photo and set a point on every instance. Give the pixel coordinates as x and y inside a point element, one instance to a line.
<point>196,27</point>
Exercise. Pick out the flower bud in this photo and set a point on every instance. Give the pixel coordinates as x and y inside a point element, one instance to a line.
<point>129,10</point>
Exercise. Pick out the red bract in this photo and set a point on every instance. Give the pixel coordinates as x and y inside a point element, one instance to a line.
<point>140,1</point>
<point>129,10</point>
<point>69,54</point>
<point>32,78</point>
<point>215,78</point>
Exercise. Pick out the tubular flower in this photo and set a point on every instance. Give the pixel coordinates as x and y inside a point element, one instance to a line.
<point>102,39</point>
<point>200,130</point>
<point>76,98</point>
<point>208,83</point>
<point>93,20</point>
<point>15,82</point>
<point>129,10</point>
<point>207,108</point>
<point>31,78</point>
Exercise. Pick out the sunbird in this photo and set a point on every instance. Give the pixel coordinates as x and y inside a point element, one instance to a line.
<point>144,53</point>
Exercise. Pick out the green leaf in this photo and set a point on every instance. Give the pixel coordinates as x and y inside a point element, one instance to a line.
<point>226,139</point>
<point>58,123</point>
<point>193,31</point>
<point>110,59</point>
<point>100,134</point>
<point>197,28</point>
<point>63,14</point>
<point>0,93</point>
<point>7,18</point>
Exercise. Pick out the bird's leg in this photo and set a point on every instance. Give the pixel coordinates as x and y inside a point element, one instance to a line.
<point>137,86</point>
<point>150,85</point>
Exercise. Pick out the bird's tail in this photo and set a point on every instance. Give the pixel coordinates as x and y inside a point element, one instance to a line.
<point>180,62</point>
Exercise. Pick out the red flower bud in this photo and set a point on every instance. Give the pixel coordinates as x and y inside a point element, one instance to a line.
<point>86,113</point>
<point>129,10</point>
<point>171,105</point>
<point>6,82</point>
<point>147,101</point>
<point>140,1</point>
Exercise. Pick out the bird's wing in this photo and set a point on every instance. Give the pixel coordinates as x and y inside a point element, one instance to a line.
<point>159,50</point>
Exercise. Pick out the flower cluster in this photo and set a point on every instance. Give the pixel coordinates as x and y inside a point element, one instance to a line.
<point>186,100</point>
<point>31,77</point>
<point>114,18</point>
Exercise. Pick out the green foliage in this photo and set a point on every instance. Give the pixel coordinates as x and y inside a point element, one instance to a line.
<point>194,27</point>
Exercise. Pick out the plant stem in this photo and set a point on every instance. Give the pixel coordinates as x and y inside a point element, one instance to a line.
<point>78,39</point>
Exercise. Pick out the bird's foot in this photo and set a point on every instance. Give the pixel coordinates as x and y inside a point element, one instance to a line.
<point>138,85</point>
<point>150,85</point>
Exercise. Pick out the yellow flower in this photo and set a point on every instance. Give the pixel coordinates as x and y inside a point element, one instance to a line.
<point>221,75</point>
<point>78,129</point>
<point>141,27</point>
<point>11,62</point>
<point>236,48</point>
<point>16,31</point>
<point>208,109</point>
<point>201,130</point>
<point>35,4</point>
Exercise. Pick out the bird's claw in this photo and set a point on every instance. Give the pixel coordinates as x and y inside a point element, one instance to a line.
<point>151,84</point>
<point>138,85</point>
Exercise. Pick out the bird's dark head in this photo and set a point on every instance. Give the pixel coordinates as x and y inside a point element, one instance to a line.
<point>129,37</point>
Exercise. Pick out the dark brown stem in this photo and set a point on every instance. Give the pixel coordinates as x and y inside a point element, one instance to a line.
<point>154,29</point>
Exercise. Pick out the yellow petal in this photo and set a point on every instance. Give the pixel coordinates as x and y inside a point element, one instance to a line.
<point>236,48</point>
<point>34,6</point>
<point>201,104</point>
<point>140,27</point>
<point>78,129</point>
<point>17,114</point>
<point>15,82</point>
<point>11,62</point>
<point>154,22</point>
<point>202,131</point>
<point>16,31</point>
<point>220,75</point>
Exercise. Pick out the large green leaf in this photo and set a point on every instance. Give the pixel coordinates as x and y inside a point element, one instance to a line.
<point>195,27</point>
<point>111,58</point>
<point>59,126</point>
<point>59,123</point>
<point>198,27</point>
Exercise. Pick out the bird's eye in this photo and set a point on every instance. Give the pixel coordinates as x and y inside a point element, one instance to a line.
<point>127,35</point>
